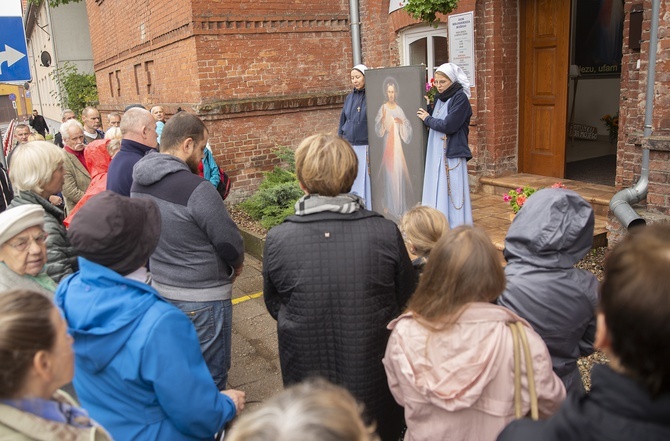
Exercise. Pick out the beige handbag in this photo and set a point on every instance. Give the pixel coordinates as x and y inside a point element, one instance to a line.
<point>521,344</point>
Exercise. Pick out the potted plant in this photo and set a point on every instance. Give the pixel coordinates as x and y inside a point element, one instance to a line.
<point>516,198</point>
<point>612,124</point>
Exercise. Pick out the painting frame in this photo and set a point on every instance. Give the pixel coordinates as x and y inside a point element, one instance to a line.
<point>397,161</point>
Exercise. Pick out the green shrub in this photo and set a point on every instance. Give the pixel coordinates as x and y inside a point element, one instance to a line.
<point>426,10</point>
<point>275,198</point>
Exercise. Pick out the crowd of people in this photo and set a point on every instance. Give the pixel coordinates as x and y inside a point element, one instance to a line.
<point>385,332</point>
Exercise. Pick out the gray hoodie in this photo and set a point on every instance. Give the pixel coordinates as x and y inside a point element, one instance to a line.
<point>551,233</point>
<point>199,244</point>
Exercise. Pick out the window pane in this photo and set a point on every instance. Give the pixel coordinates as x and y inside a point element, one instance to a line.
<point>440,51</point>
<point>418,52</point>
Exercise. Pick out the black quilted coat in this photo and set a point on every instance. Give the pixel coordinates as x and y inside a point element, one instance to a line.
<point>333,282</point>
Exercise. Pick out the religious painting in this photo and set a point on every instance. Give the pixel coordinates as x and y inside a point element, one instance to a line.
<point>397,138</point>
<point>599,37</point>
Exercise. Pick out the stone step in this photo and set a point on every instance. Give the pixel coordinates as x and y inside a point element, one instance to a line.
<point>597,195</point>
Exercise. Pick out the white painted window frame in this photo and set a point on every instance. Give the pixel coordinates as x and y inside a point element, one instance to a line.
<point>413,34</point>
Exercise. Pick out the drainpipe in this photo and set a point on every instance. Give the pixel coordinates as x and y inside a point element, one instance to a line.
<point>355,31</point>
<point>620,203</point>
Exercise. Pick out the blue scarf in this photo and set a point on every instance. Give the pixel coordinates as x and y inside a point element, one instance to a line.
<point>52,410</point>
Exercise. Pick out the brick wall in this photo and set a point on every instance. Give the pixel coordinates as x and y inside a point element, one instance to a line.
<point>656,208</point>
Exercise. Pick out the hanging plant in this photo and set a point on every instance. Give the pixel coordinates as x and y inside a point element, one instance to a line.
<point>426,10</point>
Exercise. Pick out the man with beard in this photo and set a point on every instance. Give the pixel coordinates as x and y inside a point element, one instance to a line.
<point>200,251</point>
<point>77,177</point>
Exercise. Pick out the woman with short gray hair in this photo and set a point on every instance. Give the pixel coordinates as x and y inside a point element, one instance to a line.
<point>37,173</point>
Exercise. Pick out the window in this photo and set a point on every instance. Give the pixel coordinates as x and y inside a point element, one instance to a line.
<point>425,45</point>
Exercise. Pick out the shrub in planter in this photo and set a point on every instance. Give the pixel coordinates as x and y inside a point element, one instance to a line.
<point>275,198</point>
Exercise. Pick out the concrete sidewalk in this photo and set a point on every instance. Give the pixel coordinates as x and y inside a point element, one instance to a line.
<point>255,365</point>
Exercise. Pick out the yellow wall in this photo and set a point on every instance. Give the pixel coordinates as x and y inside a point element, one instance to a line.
<point>24,106</point>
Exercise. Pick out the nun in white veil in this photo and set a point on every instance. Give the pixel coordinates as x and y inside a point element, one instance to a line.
<point>445,185</point>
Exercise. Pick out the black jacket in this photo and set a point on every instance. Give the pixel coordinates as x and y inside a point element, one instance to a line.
<point>333,282</point>
<point>39,124</point>
<point>616,409</point>
<point>6,192</point>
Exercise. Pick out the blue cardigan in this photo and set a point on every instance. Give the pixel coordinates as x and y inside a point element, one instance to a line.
<point>456,124</point>
<point>354,119</point>
<point>139,369</point>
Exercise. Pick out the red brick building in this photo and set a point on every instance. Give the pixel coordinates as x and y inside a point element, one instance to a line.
<point>267,73</point>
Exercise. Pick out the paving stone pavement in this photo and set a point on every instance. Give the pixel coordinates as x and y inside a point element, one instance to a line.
<point>255,365</point>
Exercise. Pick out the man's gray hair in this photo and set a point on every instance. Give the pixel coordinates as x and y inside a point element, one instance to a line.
<point>134,119</point>
<point>88,109</point>
<point>65,112</point>
<point>65,128</point>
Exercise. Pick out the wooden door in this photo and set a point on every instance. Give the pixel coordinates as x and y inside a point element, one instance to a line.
<point>543,97</point>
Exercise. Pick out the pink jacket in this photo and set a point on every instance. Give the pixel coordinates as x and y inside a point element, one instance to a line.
<point>458,384</point>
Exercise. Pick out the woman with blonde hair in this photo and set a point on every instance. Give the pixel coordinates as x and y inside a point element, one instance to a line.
<point>36,359</point>
<point>37,172</point>
<point>334,275</point>
<point>450,357</point>
<point>422,227</point>
<point>314,410</point>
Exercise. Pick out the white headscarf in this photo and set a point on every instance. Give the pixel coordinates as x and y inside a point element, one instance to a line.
<point>456,75</point>
<point>361,68</point>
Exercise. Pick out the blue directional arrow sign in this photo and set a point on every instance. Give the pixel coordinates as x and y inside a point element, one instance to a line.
<point>14,64</point>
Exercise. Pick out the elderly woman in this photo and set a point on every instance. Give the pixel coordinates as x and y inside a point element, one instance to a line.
<point>36,359</point>
<point>37,172</point>
<point>23,250</point>
<point>315,410</point>
<point>334,275</point>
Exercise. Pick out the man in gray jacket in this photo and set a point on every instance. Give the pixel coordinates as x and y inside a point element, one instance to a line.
<point>200,251</point>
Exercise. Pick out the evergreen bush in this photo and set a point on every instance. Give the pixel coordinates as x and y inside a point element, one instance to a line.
<point>275,198</point>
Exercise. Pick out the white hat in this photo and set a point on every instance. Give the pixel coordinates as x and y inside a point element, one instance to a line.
<point>456,75</point>
<point>16,220</point>
<point>361,68</point>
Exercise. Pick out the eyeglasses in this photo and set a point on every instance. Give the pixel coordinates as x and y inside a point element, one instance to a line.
<point>23,244</point>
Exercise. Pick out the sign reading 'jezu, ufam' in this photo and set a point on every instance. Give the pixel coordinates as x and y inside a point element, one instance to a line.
<point>13,60</point>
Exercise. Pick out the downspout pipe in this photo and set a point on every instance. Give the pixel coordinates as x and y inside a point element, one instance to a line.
<point>355,23</point>
<point>620,203</point>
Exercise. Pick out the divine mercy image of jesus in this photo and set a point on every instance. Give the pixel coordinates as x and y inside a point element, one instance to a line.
<point>392,125</point>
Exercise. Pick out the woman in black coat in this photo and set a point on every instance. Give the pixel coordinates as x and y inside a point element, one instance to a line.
<point>335,274</point>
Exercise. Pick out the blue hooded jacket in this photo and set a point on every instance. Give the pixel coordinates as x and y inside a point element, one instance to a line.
<point>139,369</point>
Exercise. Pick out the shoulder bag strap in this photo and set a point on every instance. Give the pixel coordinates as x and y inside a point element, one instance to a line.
<point>520,342</point>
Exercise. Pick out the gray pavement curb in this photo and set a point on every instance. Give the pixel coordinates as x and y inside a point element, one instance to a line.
<point>253,244</point>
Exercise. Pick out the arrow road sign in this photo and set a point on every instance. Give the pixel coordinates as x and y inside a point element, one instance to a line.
<point>14,64</point>
<point>11,56</point>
